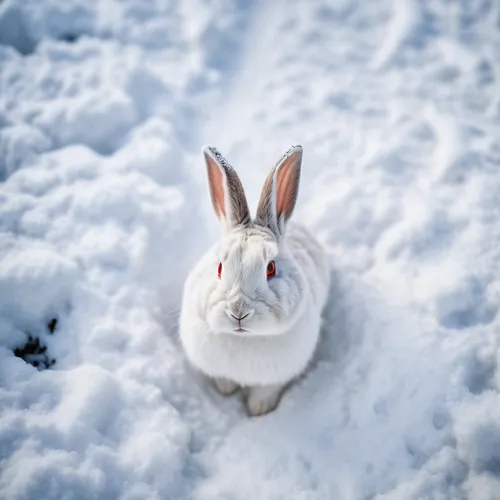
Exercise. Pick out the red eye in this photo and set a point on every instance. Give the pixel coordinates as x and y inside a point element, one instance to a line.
<point>271,269</point>
<point>219,270</point>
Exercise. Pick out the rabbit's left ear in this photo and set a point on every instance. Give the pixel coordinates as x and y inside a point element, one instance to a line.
<point>226,190</point>
<point>279,193</point>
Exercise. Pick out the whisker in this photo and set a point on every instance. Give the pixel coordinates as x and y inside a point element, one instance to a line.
<point>172,313</point>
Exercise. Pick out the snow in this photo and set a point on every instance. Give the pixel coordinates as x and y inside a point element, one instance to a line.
<point>104,208</point>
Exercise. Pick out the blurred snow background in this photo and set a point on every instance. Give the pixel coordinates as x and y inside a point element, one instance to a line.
<point>104,105</point>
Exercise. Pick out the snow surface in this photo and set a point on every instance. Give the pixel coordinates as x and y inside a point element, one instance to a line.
<point>104,207</point>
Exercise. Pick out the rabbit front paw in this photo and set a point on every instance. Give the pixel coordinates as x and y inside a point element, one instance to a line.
<point>263,399</point>
<point>225,386</point>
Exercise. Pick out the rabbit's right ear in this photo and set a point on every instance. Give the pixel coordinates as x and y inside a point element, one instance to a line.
<point>228,196</point>
<point>279,193</point>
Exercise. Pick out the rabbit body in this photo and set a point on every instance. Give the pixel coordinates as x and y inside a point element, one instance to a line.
<point>251,309</point>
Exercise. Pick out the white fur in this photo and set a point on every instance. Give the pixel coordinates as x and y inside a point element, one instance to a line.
<point>282,333</point>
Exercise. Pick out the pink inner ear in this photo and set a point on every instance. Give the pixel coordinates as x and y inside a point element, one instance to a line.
<point>215,179</point>
<point>286,187</point>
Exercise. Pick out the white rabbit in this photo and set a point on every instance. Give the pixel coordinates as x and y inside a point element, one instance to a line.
<point>251,308</point>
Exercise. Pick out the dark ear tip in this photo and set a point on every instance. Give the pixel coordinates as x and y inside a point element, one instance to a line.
<point>294,150</point>
<point>207,149</point>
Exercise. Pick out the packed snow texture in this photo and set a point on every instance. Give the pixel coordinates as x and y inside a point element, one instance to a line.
<point>104,208</point>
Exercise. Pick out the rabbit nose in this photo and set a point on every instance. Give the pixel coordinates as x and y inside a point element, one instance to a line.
<point>239,316</point>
